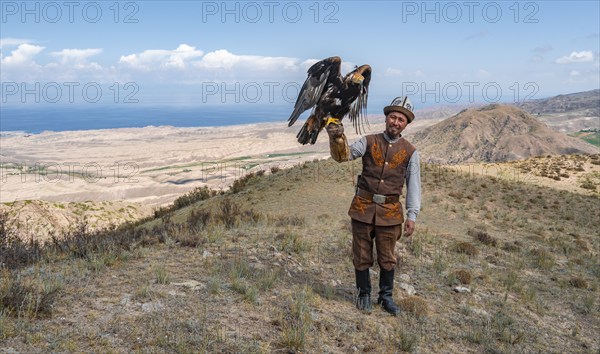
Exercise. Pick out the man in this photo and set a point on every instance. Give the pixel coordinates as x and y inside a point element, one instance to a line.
<point>388,160</point>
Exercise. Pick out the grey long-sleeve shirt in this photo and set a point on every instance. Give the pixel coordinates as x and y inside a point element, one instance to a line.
<point>413,175</point>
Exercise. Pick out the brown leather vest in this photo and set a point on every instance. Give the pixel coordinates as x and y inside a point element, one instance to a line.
<point>384,169</point>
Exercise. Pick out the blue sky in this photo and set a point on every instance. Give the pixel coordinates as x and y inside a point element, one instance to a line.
<point>226,53</point>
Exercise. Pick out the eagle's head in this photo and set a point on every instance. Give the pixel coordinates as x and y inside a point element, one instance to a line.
<point>357,78</point>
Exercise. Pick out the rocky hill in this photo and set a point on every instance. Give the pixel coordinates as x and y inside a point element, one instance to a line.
<point>42,219</point>
<point>493,133</point>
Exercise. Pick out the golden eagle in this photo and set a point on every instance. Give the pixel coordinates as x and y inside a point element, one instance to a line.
<point>331,97</point>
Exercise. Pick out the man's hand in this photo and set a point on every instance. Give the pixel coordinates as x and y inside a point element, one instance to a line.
<point>409,228</point>
<point>335,130</point>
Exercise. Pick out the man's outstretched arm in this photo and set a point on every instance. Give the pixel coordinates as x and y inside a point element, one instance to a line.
<point>338,144</point>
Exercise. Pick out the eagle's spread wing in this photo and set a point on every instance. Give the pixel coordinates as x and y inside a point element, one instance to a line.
<point>358,109</point>
<point>318,75</point>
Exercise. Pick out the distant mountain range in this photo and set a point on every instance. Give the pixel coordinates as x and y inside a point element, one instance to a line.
<point>568,113</point>
<point>588,101</point>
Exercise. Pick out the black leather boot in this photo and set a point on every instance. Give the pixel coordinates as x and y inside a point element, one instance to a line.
<point>386,290</point>
<point>363,285</point>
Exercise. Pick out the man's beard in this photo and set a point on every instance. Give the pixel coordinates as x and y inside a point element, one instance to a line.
<point>393,132</point>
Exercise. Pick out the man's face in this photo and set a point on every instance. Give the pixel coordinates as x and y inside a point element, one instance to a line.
<point>395,122</point>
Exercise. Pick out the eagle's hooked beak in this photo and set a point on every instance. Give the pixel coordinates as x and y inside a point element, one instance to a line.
<point>357,78</point>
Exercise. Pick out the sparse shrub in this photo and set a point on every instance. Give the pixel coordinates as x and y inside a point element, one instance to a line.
<point>230,213</point>
<point>297,321</point>
<point>456,194</point>
<point>588,184</point>
<point>463,276</point>
<point>466,248</point>
<point>528,294</point>
<point>15,252</point>
<point>483,237</point>
<point>249,292</point>
<point>581,245</point>
<point>510,280</point>
<point>504,328</point>
<point>189,238</point>
<point>166,217</point>
<point>511,247</point>
<point>291,220</point>
<point>325,289</point>
<point>196,195</point>
<point>214,285</point>
<point>266,279</point>
<point>199,218</point>
<point>584,304</point>
<point>275,169</point>
<point>162,277</point>
<point>22,300</point>
<point>542,258</point>
<point>439,263</point>
<point>578,282</point>
<point>414,305</point>
<point>477,333</point>
<point>240,183</point>
<point>293,242</point>
<point>252,216</point>
<point>240,269</point>
<point>416,246</point>
<point>404,340</point>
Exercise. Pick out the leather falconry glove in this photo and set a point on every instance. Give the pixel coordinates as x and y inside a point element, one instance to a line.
<point>338,144</point>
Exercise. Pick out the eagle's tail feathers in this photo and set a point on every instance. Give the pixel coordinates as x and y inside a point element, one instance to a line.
<point>303,135</point>
<point>313,136</point>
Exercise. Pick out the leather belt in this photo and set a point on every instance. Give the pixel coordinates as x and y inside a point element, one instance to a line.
<point>378,198</point>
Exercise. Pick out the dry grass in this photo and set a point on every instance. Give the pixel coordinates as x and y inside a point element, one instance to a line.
<point>483,237</point>
<point>281,279</point>
<point>542,259</point>
<point>578,282</point>
<point>463,276</point>
<point>415,305</point>
<point>466,248</point>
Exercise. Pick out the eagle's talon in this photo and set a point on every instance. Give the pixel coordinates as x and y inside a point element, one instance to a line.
<point>332,120</point>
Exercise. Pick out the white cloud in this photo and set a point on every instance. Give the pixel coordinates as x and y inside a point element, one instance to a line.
<point>76,56</point>
<point>223,59</point>
<point>308,63</point>
<point>23,55</point>
<point>161,58</point>
<point>393,72</point>
<point>346,67</point>
<point>483,73</point>
<point>6,42</point>
<point>576,57</point>
<point>574,73</point>
<point>183,64</point>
